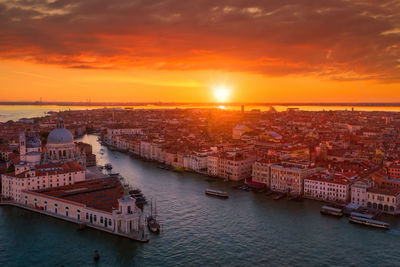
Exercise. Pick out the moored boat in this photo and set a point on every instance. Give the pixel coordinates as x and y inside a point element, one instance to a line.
<point>217,193</point>
<point>153,225</point>
<point>152,222</point>
<point>369,222</point>
<point>328,210</point>
<point>108,166</point>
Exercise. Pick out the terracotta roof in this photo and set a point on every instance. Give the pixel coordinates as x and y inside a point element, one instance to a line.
<point>384,191</point>
<point>101,194</point>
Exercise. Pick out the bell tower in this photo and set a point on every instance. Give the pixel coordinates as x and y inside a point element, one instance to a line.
<point>22,146</point>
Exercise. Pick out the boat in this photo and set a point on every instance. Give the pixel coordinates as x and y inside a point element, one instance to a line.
<point>152,222</point>
<point>216,193</point>
<point>108,166</point>
<point>328,210</point>
<point>137,194</point>
<point>362,215</point>
<point>135,191</point>
<point>241,187</point>
<point>153,225</point>
<point>369,222</point>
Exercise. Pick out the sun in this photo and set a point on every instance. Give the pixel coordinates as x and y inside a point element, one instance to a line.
<point>221,93</point>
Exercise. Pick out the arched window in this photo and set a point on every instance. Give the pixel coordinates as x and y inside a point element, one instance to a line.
<point>64,153</point>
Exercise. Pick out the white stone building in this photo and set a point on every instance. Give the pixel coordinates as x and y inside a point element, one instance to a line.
<point>100,203</point>
<point>359,192</point>
<point>328,187</point>
<point>28,177</point>
<point>60,146</point>
<point>386,200</point>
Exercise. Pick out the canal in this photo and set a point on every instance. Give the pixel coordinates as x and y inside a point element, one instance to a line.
<point>246,229</point>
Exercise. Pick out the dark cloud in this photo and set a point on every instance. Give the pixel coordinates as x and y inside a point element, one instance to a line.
<point>342,40</point>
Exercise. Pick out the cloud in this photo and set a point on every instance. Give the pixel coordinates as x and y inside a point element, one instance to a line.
<point>329,38</point>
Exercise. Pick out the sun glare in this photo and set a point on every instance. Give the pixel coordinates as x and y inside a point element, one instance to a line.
<point>221,93</point>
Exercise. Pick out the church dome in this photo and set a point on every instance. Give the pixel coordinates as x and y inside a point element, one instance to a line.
<point>60,135</point>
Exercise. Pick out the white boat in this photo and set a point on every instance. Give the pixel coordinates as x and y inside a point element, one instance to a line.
<point>369,222</point>
<point>217,193</point>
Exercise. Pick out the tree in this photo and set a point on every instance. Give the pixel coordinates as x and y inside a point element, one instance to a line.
<point>10,168</point>
<point>43,137</point>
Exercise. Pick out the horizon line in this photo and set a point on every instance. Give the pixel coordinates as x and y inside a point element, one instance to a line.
<point>160,103</point>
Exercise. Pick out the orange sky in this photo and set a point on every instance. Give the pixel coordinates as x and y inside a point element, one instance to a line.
<point>170,51</point>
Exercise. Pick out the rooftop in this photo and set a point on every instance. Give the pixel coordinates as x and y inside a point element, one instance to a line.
<point>101,194</point>
<point>384,191</point>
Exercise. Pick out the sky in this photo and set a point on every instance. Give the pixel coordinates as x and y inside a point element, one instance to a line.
<point>188,51</point>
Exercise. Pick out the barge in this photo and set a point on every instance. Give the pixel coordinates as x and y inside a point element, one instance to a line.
<point>217,193</point>
<point>328,210</point>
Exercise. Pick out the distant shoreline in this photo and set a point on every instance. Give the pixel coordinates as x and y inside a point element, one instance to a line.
<point>113,104</point>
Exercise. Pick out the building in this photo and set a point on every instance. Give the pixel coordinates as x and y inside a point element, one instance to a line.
<point>27,177</point>
<point>384,199</point>
<point>238,131</point>
<point>262,172</point>
<point>60,146</point>
<point>359,192</point>
<point>5,152</point>
<point>30,148</point>
<point>289,177</point>
<point>394,171</point>
<point>196,161</point>
<point>113,133</point>
<point>233,166</point>
<point>87,150</point>
<point>100,203</point>
<point>334,187</point>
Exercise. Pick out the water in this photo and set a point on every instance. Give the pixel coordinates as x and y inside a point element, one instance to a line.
<point>246,229</point>
<point>15,112</point>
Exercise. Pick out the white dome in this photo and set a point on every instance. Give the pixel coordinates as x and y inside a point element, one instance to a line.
<point>60,136</point>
